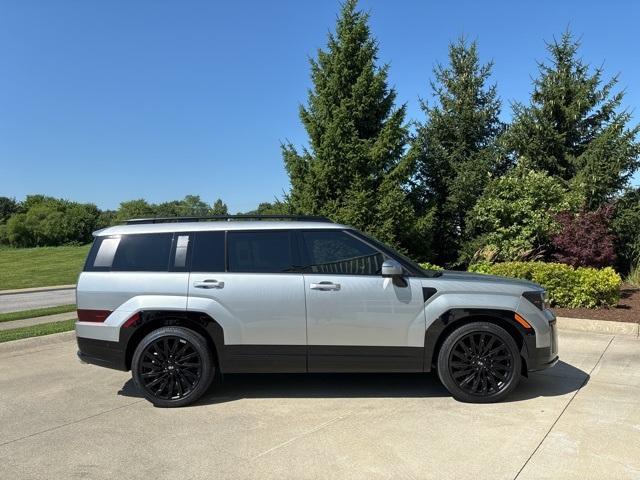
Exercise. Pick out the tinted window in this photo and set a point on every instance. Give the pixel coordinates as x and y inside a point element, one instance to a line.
<point>146,252</point>
<point>339,252</point>
<point>208,252</point>
<point>263,252</point>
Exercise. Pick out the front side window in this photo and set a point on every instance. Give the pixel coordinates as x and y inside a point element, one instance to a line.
<point>334,251</point>
<point>259,252</point>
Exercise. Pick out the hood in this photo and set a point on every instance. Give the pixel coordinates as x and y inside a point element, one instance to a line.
<point>485,278</point>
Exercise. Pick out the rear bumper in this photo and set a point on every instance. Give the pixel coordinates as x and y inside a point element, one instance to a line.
<point>102,353</point>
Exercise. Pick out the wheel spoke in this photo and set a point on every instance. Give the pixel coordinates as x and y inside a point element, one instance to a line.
<point>461,373</point>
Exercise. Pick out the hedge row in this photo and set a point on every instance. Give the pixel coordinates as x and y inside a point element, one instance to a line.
<point>567,286</point>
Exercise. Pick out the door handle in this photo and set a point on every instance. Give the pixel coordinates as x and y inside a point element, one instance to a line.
<point>208,284</point>
<point>325,286</point>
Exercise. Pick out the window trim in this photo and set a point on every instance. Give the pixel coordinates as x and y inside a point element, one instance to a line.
<point>172,252</point>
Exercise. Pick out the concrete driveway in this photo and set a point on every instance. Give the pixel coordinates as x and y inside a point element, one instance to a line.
<point>13,302</point>
<point>581,419</point>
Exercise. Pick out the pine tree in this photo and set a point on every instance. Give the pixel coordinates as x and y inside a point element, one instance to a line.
<point>574,127</point>
<point>353,171</point>
<point>455,150</point>
<point>219,208</point>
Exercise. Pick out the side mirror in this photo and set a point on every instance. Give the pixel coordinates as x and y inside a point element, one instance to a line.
<point>391,268</point>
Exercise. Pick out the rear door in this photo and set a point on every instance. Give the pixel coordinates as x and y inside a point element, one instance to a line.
<point>246,281</point>
<point>356,319</point>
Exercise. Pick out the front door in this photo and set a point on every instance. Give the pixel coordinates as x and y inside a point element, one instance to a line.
<point>356,319</point>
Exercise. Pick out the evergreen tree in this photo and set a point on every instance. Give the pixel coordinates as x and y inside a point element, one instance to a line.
<point>219,208</point>
<point>574,128</point>
<point>353,170</point>
<point>456,151</point>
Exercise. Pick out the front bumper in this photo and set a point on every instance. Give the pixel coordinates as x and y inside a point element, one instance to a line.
<point>545,357</point>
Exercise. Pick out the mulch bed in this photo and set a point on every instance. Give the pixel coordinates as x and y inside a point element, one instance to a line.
<point>627,310</point>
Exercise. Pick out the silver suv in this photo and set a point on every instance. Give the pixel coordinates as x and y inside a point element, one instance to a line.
<point>181,301</point>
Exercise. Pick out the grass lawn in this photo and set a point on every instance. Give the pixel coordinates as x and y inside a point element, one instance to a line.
<point>36,330</point>
<point>40,267</point>
<point>37,312</point>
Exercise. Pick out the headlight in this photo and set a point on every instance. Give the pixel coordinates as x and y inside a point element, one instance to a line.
<point>538,298</point>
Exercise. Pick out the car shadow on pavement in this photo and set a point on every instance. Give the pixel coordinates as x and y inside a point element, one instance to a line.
<point>559,380</point>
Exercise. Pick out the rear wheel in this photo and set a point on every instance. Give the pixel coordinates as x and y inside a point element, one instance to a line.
<point>479,362</point>
<point>172,366</point>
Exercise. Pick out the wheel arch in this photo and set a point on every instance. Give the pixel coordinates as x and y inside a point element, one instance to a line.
<point>455,318</point>
<point>150,320</point>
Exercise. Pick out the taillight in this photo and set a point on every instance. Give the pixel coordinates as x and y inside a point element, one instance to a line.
<point>93,315</point>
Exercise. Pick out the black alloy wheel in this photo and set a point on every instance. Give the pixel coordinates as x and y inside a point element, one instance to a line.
<point>172,366</point>
<point>479,362</point>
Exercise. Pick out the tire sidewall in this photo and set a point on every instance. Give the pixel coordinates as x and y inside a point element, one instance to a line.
<point>444,355</point>
<point>200,345</point>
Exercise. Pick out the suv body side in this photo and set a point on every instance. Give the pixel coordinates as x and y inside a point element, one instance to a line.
<point>315,316</point>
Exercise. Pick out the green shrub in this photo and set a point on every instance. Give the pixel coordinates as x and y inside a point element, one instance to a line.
<point>515,217</point>
<point>430,266</point>
<point>566,286</point>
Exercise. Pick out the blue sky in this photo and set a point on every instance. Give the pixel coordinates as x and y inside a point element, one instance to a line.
<point>107,101</point>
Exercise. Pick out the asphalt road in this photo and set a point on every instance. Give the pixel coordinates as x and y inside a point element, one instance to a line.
<point>27,301</point>
<point>580,420</point>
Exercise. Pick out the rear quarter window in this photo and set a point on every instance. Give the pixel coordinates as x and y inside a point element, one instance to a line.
<point>131,253</point>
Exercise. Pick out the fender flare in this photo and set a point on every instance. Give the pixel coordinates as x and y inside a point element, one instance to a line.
<point>455,317</point>
<point>149,320</point>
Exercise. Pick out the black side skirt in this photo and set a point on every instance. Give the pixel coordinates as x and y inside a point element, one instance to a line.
<point>321,358</point>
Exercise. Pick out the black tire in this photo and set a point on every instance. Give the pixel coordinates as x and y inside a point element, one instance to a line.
<point>172,366</point>
<point>479,363</point>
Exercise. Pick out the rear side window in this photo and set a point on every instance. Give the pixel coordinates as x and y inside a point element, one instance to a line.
<point>259,252</point>
<point>337,252</point>
<point>131,253</point>
<point>143,253</point>
<point>208,252</point>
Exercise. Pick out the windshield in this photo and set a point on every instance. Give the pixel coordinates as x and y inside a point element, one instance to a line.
<point>394,253</point>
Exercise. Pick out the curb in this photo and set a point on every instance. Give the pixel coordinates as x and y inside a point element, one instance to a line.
<point>37,289</point>
<point>25,344</point>
<point>599,326</point>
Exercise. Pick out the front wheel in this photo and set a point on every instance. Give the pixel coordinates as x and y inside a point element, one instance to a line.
<point>172,366</point>
<point>480,363</point>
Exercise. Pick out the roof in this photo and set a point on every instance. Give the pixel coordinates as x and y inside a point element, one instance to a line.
<point>215,225</point>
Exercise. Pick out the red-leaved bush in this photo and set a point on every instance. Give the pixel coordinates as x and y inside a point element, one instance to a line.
<point>584,239</point>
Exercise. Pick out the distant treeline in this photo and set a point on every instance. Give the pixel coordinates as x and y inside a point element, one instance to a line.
<point>46,221</point>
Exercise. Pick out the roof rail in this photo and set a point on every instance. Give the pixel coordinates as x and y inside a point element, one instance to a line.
<point>299,218</point>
